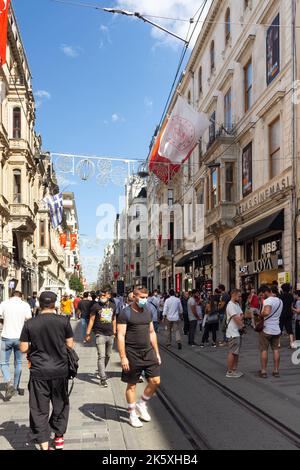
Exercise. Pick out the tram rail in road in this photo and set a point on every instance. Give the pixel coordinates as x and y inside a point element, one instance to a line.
<point>197,438</point>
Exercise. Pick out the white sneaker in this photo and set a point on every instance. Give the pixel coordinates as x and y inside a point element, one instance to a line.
<point>143,412</point>
<point>135,421</point>
<point>234,375</point>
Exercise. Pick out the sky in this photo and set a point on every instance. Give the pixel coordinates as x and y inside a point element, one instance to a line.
<point>100,83</point>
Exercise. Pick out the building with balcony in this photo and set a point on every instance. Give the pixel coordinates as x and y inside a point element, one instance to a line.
<point>237,189</point>
<point>31,257</point>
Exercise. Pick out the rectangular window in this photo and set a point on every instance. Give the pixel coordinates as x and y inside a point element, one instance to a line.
<point>212,128</point>
<point>200,153</point>
<point>170,197</point>
<point>171,236</point>
<point>274,139</point>
<point>229,182</point>
<point>42,234</point>
<point>138,251</point>
<point>17,187</point>
<point>17,123</point>
<point>248,85</point>
<point>273,50</point>
<point>214,188</point>
<point>247,170</point>
<point>228,110</point>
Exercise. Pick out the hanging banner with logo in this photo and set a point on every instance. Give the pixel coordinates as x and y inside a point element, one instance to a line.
<point>4,7</point>
<point>63,240</point>
<point>73,241</point>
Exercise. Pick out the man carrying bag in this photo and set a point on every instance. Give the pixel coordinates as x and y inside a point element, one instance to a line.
<point>46,339</point>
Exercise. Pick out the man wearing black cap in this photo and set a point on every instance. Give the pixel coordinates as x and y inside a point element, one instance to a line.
<point>45,338</point>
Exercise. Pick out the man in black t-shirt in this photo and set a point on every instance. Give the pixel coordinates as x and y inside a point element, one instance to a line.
<point>103,323</point>
<point>84,307</point>
<point>138,349</point>
<point>286,317</point>
<point>45,338</point>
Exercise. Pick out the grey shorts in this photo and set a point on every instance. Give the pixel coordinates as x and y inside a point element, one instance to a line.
<point>234,345</point>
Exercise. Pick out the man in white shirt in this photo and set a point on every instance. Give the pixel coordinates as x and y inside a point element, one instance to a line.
<point>13,313</point>
<point>234,322</point>
<point>173,312</point>
<point>270,336</point>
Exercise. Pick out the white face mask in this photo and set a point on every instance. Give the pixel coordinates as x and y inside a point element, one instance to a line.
<point>103,301</point>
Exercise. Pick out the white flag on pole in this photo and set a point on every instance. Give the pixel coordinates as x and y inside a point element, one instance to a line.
<point>183,132</point>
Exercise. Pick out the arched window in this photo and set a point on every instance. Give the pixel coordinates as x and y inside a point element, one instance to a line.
<point>200,80</point>
<point>227,26</point>
<point>212,56</point>
<point>17,187</point>
<point>17,123</point>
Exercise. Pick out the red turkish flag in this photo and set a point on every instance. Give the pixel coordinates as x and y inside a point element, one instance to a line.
<point>4,7</point>
<point>73,241</point>
<point>63,239</point>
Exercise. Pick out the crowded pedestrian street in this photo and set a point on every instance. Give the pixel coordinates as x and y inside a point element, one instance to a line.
<point>191,412</point>
<point>149,229</point>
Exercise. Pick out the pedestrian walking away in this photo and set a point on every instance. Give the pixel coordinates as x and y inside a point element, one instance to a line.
<point>184,303</point>
<point>45,340</point>
<point>296,311</point>
<point>234,322</point>
<point>13,313</point>
<point>211,323</point>
<point>103,323</point>
<point>153,304</point>
<point>84,309</point>
<point>138,349</point>
<point>173,313</point>
<point>270,336</point>
<point>286,317</point>
<point>194,318</point>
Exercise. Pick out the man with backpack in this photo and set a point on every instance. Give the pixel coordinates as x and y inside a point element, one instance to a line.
<point>45,340</point>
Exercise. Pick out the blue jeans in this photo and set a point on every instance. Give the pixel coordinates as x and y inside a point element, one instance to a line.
<point>84,324</point>
<point>156,326</point>
<point>7,347</point>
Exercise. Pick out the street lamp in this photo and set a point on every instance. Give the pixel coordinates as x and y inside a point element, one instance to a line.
<point>141,17</point>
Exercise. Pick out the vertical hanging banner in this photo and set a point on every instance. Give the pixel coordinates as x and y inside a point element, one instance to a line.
<point>73,241</point>
<point>4,7</point>
<point>63,239</point>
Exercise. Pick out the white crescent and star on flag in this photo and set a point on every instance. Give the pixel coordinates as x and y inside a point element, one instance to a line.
<point>3,6</point>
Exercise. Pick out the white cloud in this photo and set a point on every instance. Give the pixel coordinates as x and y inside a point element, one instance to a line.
<point>117,118</point>
<point>41,96</point>
<point>183,9</point>
<point>70,51</point>
<point>148,102</point>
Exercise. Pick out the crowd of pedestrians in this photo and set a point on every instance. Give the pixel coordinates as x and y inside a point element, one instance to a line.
<point>41,329</point>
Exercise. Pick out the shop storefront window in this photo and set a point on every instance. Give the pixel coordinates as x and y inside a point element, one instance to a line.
<point>249,252</point>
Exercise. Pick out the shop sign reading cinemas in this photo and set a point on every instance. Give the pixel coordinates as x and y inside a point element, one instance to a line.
<point>262,196</point>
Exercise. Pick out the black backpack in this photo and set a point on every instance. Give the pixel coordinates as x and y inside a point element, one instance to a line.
<point>73,364</point>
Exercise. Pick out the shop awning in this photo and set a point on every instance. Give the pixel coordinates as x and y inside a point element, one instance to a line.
<point>194,255</point>
<point>270,223</point>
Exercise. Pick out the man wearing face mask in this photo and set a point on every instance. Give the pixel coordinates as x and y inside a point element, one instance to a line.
<point>138,349</point>
<point>103,323</point>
